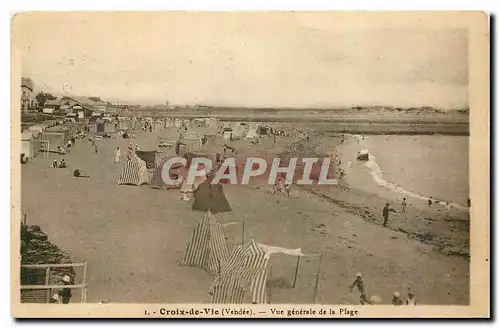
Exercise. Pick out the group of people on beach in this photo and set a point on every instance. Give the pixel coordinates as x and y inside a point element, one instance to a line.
<point>58,165</point>
<point>396,298</point>
<point>404,205</point>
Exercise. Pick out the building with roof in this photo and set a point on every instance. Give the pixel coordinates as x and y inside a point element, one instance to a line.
<point>81,106</point>
<point>27,94</point>
<point>86,102</point>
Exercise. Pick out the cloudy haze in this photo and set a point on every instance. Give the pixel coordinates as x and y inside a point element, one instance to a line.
<point>243,60</point>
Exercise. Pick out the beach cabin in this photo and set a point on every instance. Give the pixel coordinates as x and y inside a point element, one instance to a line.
<point>158,125</point>
<point>200,122</point>
<point>228,134</point>
<point>124,125</point>
<point>212,122</point>
<point>252,132</point>
<point>28,144</point>
<point>210,138</point>
<point>192,144</point>
<point>36,128</point>
<point>109,127</point>
<point>65,130</point>
<point>54,140</point>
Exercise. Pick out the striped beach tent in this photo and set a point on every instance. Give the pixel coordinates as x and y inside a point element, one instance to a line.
<point>245,272</point>
<point>134,171</point>
<point>208,247</point>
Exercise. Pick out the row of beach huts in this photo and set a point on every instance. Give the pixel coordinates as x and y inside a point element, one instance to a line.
<point>48,136</point>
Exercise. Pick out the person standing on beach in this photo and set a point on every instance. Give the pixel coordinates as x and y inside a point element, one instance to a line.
<point>360,284</point>
<point>117,155</point>
<point>403,205</point>
<point>68,146</point>
<point>385,213</point>
<point>429,202</point>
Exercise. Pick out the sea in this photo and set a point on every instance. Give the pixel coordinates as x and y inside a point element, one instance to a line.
<point>415,167</point>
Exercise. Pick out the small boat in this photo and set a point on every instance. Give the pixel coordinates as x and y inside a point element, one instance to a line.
<point>363,155</point>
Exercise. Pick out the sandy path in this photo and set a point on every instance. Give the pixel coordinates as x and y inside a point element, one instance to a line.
<point>134,237</point>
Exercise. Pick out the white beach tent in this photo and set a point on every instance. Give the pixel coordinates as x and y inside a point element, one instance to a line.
<point>252,132</point>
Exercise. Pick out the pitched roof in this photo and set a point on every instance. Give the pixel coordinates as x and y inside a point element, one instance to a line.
<point>55,102</point>
<point>85,101</point>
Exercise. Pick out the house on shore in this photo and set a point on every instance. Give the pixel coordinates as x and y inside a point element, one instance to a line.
<point>81,106</point>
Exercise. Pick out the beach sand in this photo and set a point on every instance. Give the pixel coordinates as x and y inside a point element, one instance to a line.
<point>133,238</point>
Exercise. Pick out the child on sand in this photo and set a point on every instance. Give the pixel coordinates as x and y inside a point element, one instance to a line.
<point>403,205</point>
<point>396,299</point>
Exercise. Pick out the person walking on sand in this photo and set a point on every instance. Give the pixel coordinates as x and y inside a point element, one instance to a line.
<point>68,146</point>
<point>117,155</point>
<point>403,205</point>
<point>385,213</point>
<point>96,149</point>
<point>288,187</point>
<point>66,292</point>
<point>429,202</point>
<point>360,284</point>
<point>396,299</point>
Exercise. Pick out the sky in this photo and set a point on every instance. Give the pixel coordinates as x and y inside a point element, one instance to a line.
<point>236,59</point>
